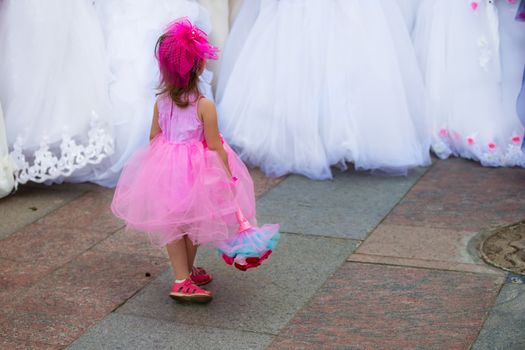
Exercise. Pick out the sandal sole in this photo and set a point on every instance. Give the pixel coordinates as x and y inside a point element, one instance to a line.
<point>195,298</point>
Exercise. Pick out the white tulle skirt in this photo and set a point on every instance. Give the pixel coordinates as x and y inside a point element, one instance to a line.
<point>241,27</point>
<point>7,170</point>
<point>53,89</point>
<point>409,10</point>
<point>317,84</point>
<point>473,61</point>
<point>131,29</point>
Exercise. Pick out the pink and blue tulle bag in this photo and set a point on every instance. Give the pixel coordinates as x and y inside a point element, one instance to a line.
<point>251,245</point>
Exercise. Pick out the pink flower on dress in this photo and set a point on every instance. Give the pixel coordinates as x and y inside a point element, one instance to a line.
<point>474,5</point>
<point>443,132</point>
<point>491,146</point>
<point>512,2</point>
<point>516,139</point>
<point>470,140</point>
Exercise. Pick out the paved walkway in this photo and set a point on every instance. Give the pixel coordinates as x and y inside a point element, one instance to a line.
<point>365,262</point>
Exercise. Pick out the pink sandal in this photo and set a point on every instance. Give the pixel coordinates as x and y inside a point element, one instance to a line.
<point>188,291</point>
<point>200,277</point>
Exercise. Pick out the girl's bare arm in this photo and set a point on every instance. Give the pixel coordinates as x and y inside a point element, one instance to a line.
<point>155,128</point>
<point>208,115</point>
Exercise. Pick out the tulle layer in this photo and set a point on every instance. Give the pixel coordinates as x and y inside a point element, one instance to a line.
<point>473,60</point>
<point>350,92</point>
<point>7,169</point>
<point>249,248</point>
<point>173,189</point>
<point>131,29</point>
<point>53,89</point>
<point>521,107</point>
<point>253,242</point>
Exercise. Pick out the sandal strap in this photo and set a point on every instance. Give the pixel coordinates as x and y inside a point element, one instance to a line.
<point>188,287</point>
<point>198,271</point>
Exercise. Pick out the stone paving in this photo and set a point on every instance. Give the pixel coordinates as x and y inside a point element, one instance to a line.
<point>364,262</point>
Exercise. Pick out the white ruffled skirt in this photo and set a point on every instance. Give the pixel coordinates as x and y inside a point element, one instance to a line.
<point>316,84</point>
<point>472,60</point>
<point>53,89</point>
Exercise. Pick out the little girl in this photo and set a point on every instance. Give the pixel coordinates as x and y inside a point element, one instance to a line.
<point>185,188</point>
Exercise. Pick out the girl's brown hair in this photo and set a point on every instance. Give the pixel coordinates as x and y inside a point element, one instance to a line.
<point>182,96</point>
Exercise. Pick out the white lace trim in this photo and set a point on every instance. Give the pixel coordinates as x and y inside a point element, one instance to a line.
<point>73,156</point>
<point>488,43</point>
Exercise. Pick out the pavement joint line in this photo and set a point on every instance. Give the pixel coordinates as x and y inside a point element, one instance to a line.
<point>426,260</point>
<point>75,256</point>
<point>323,236</point>
<point>503,275</point>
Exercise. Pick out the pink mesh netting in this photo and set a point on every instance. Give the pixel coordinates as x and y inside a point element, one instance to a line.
<point>181,48</point>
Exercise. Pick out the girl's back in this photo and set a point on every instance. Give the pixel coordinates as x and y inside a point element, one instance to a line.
<point>179,124</point>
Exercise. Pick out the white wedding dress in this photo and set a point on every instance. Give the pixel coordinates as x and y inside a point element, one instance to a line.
<point>409,10</point>
<point>245,18</point>
<point>220,20</point>
<point>131,29</point>
<point>7,170</point>
<point>222,15</point>
<point>473,58</point>
<point>53,89</point>
<point>314,84</point>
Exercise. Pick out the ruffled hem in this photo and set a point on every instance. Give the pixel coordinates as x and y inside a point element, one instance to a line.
<point>491,154</point>
<point>253,242</point>
<point>248,249</point>
<point>170,190</point>
<point>46,166</point>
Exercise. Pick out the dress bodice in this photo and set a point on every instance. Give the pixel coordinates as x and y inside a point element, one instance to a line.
<point>179,124</point>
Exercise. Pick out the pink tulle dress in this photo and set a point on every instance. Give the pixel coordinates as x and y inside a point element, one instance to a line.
<point>176,186</point>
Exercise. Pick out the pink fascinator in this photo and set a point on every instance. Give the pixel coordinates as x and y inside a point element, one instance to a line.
<point>179,50</point>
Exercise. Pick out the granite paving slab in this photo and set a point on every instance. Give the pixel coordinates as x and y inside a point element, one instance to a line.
<point>73,298</point>
<point>31,203</point>
<point>421,247</point>
<point>349,206</point>
<point>47,244</point>
<point>119,331</point>
<point>262,183</point>
<point>91,212</point>
<point>461,195</point>
<point>17,276</point>
<point>260,300</point>
<point>130,242</point>
<point>505,327</point>
<point>367,306</point>
<point>13,344</point>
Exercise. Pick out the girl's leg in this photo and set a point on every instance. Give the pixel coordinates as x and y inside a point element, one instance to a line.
<point>177,252</point>
<point>191,251</point>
